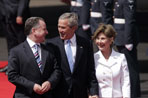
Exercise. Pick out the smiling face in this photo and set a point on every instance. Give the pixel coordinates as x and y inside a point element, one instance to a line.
<point>65,31</point>
<point>103,42</point>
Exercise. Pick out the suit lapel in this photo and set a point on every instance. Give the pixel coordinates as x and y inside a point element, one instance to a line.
<point>101,59</point>
<point>63,55</point>
<point>111,61</point>
<point>44,54</point>
<point>79,51</point>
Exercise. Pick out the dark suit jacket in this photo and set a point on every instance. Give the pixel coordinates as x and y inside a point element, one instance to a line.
<point>2,9</point>
<point>94,21</point>
<point>16,8</point>
<point>24,72</point>
<point>103,6</point>
<point>85,13</point>
<point>82,81</point>
<point>15,32</point>
<point>107,11</point>
<point>2,17</point>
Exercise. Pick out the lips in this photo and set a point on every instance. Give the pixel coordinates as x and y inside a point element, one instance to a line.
<point>101,45</point>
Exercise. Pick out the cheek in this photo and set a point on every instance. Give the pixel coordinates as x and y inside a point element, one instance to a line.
<point>59,29</point>
<point>108,44</point>
<point>41,35</point>
<point>111,42</point>
<point>96,42</point>
<point>66,31</point>
<point>38,35</point>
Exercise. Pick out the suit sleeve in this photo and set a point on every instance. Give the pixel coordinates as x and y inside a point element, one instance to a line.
<point>93,84</point>
<point>23,4</point>
<point>86,11</point>
<point>56,75</point>
<point>130,20</point>
<point>14,70</point>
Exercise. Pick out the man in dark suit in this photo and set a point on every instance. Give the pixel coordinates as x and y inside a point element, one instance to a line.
<point>127,39</point>
<point>78,80</point>
<point>34,71</point>
<point>91,13</point>
<point>95,11</point>
<point>2,26</point>
<point>17,11</point>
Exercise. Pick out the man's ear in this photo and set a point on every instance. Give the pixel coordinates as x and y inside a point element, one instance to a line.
<point>33,30</point>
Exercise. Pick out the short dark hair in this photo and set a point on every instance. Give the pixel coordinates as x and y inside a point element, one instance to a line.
<point>30,23</point>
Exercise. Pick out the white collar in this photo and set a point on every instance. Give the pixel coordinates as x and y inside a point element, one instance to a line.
<point>31,43</point>
<point>73,40</point>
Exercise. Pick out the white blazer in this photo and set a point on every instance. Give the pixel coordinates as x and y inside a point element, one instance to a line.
<point>112,75</point>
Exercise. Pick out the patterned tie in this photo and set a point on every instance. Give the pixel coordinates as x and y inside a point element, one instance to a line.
<point>37,56</point>
<point>69,55</point>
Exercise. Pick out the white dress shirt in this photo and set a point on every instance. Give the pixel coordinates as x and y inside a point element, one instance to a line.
<point>31,44</point>
<point>112,75</point>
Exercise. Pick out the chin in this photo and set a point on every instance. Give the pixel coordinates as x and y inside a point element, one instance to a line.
<point>101,49</point>
<point>62,37</point>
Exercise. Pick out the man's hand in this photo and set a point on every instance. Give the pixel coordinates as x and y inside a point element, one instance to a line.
<point>94,96</point>
<point>129,46</point>
<point>46,86</point>
<point>37,88</point>
<point>19,20</point>
<point>85,27</point>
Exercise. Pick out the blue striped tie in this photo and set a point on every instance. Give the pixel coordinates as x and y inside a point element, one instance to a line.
<point>37,56</point>
<point>69,55</point>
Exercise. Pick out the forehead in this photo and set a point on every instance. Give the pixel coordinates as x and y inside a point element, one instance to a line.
<point>101,35</point>
<point>42,23</point>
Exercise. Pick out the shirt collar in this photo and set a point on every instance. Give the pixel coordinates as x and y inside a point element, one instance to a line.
<point>31,43</point>
<point>73,40</point>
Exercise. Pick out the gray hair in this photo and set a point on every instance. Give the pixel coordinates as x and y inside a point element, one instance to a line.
<point>72,18</point>
<point>30,23</point>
